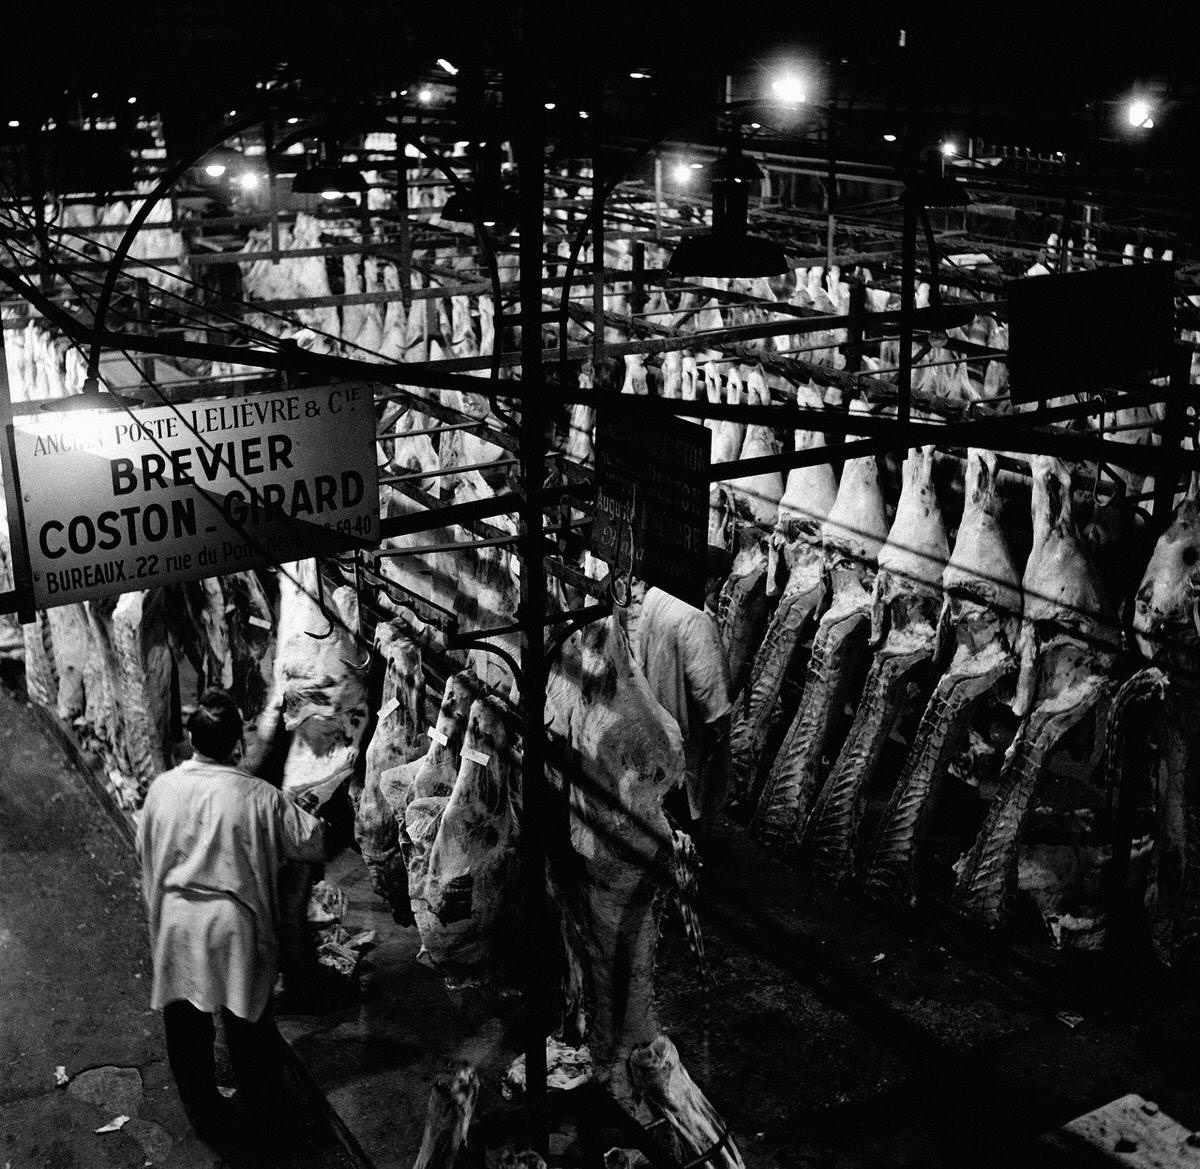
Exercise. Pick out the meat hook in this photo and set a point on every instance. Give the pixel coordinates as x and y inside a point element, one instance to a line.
<point>321,605</point>
<point>364,665</point>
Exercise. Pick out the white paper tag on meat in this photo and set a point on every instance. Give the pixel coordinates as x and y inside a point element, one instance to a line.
<point>392,704</point>
<point>473,756</point>
<point>260,622</point>
<point>115,1125</point>
<point>438,737</point>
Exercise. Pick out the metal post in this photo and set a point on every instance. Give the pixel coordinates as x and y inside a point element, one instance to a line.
<point>597,250</point>
<point>529,144</point>
<point>658,195</point>
<point>853,349</point>
<point>830,203</point>
<point>637,297</point>
<point>1064,233</point>
<point>405,264</point>
<point>272,192</point>
<point>908,292</point>
<point>18,552</point>
<point>142,292</point>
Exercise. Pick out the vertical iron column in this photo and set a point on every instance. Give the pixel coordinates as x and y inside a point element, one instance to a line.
<point>908,280</point>
<point>22,571</point>
<point>597,216</point>
<point>529,148</point>
<point>830,202</point>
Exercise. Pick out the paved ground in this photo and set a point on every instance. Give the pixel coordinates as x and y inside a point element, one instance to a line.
<point>74,985</point>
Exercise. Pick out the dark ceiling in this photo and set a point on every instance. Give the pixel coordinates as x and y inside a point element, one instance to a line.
<point>1033,63</point>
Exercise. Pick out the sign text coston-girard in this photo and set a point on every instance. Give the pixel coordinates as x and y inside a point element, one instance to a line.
<point>116,501</point>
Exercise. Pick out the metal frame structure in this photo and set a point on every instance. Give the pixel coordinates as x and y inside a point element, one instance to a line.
<point>533,395</point>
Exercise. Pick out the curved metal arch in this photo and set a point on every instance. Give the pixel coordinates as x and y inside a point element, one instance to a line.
<point>259,115</point>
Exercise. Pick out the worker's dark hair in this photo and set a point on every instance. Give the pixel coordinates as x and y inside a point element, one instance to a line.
<point>215,726</point>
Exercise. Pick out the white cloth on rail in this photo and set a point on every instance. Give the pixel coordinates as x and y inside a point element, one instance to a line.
<point>679,650</point>
<point>212,840</point>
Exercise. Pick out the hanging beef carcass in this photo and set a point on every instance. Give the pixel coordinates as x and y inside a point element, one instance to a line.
<point>1162,703</point>
<point>757,496</point>
<point>139,636</point>
<point>810,494</point>
<point>620,753</point>
<point>417,792</point>
<point>473,866</point>
<point>317,696</point>
<point>742,607</point>
<point>904,613</point>
<point>1068,640</point>
<point>851,537</point>
<point>398,735</point>
<point>981,611</point>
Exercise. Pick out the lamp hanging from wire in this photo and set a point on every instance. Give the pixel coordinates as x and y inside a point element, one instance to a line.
<point>328,175</point>
<point>727,250</point>
<point>488,201</point>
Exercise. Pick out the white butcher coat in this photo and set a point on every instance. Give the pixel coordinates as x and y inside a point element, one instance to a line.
<point>212,840</point>
<point>679,651</point>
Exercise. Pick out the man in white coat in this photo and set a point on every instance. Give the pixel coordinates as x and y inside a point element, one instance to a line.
<point>212,840</point>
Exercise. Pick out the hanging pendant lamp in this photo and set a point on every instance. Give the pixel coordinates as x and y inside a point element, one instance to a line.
<point>727,250</point>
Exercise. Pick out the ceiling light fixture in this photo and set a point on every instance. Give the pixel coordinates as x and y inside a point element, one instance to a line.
<point>889,137</point>
<point>424,95</point>
<point>444,64</point>
<point>790,88</point>
<point>247,180</point>
<point>1139,114</point>
<point>215,170</point>
<point>727,250</point>
<point>949,148</point>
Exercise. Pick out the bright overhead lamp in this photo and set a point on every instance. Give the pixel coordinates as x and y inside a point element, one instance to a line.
<point>424,95</point>
<point>1139,114</point>
<point>248,180</point>
<point>889,137</point>
<point>790,88</point>
<point>681,173</point>
<point>949,148</point>
<point>640,74</point>
<point>13,124</point>
<point>95,96</point>
<point>131,101</point>
<point>550,105</point>
<point>447,67</point>
<point>292,121</point>
<point>727,250</point>
<point>324,179</point>
<point>215,170</point>
<point>584,114</point>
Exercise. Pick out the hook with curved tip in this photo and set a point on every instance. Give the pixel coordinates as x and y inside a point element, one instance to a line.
<point>364,665</point>
<point>321,605</point>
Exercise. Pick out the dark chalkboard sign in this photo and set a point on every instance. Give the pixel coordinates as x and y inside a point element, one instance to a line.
<point>652,501</point>
<point>1087,331</point>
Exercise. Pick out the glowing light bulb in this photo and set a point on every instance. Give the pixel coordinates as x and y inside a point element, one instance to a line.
<point>95,96</point>
<point>790,89</point>
<point>639,74</point>
<point>248,180</point>
<point>331,195</point>
<point>424,95</point>
<point>131,101</point>
<point>682,173</point>
<point>584,114</point>
<point>949,148</point>
<point>215,170</point>
<point>444,64</point>
<point>14,124</point>
<point>551,105</point>
<point>292,121</point>
<point>1138,112</point>
<point>889,137</point>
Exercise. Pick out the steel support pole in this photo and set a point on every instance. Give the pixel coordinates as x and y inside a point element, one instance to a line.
<point>529,148</point>
<point>908,293</point>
